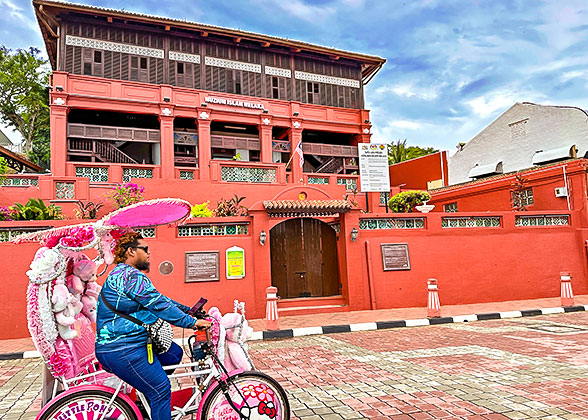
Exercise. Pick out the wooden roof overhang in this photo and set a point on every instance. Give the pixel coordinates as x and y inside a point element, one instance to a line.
<point>311,208</point>
<point>48,14</point>
<point>17,162</point>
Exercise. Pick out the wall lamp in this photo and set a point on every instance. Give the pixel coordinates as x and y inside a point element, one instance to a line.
<point>262,237</point>
<point>296,114</point>
<point>59,88</point>
<point>203,104</point>
<point>367,121</point>
<point>166,99</point>
<point>354,234</point>
<point>265,111</point>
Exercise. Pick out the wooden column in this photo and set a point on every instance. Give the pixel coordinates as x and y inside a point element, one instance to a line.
<point>166,127</point>
<point>204,144</point>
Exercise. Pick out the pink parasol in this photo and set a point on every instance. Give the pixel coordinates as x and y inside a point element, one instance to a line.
<point>155,212</point>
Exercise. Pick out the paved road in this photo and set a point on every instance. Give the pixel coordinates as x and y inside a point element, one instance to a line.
<point>524,368</point>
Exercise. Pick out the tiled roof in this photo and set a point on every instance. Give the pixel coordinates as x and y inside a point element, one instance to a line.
<point>500,176</point>
<point>297,208</point>
<point>373,62</point>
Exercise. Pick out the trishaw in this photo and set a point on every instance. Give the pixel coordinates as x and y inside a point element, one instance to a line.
<point>75,386</point>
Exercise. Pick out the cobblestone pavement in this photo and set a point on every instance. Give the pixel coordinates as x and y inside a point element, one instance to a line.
<point>522,368</point>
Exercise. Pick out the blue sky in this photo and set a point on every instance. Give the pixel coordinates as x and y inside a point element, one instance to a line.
<point>453,66</point>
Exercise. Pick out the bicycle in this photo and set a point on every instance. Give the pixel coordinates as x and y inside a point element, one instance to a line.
<point>81,390</point>
<point>215,394</point>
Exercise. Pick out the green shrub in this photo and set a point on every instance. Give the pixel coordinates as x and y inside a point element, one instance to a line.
<point>201,210</point>
<point>35,210</point>
<point>405,201</point>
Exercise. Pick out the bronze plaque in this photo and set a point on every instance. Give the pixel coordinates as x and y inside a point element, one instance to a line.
<point>166,268</point>
<point>395,257</point>
<point>202,266</point>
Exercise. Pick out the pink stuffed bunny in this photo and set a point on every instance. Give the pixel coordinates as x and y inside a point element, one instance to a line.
<point>237,330</point>
<point>89,300</point>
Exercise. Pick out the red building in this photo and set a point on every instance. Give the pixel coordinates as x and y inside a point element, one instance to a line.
<point>203,113</point>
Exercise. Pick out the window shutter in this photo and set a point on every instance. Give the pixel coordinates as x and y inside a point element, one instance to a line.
<point>69,59</point>
<point>188,75</point>
<point>134,68</point>
<point>87,54</point>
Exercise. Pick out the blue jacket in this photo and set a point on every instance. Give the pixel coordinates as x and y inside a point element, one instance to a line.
<point>132,292</point>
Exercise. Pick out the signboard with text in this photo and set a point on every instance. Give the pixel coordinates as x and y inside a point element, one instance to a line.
<point>373,167</point>
<point>202,266</point>
<point>395,257</point>
<point>235,263</point>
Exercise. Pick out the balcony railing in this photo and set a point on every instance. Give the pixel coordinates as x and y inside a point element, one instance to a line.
<point>232,142</point>
<point>100,132</point>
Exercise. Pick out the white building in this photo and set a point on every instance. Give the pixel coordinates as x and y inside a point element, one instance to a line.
<point>525,135</point>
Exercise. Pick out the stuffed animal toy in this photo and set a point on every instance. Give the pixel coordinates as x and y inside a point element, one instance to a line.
<point>65,321</point>
<point>89,300</point>
<point>61,296</point>
<point>85,270</point>
<point>237,330</point>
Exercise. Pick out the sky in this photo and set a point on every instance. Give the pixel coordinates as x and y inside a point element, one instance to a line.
<point>453,66</point>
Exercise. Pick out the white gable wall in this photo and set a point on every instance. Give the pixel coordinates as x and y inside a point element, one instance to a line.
<point>515,136</point>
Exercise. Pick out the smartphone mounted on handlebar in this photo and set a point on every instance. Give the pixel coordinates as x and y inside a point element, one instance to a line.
<point>197,310</point>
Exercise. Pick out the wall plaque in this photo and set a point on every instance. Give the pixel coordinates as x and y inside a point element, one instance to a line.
<point>202,266</point>
<point>166,268</point>
<point>395,257</point>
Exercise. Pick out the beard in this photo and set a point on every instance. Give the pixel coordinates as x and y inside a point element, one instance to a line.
<point>143,265</point>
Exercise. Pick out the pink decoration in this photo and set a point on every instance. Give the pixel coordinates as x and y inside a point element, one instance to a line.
<point>149,213</point>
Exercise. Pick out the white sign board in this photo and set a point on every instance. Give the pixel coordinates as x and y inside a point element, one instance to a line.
<point>373,167</point>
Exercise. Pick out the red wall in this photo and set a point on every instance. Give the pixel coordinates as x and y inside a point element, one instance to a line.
<point>415,173</point>
<point>479,264</point>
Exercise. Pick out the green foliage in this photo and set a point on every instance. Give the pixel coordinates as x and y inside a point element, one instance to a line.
<point>237,157</point>
<point>3,169</point>
<point>516,193</point>
<point>201,210</point>
<point>406,201</point>
<point>126,194</point>
<point>232,207</point>
<point>398,152</point>
<point>87,210</point>
<point>24,96</point>
<point>35,209</point>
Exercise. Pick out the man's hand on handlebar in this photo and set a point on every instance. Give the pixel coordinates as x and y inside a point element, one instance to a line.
<point>202,325</point>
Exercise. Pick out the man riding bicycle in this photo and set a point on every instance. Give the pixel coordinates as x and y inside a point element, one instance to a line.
<point>121,345</point>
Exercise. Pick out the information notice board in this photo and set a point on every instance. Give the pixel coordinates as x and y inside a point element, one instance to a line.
<point>374,175</point>
<point>202,266</point>
<point>395,257</point>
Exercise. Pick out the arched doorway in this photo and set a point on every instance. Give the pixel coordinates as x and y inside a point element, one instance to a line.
<point>304,258</point>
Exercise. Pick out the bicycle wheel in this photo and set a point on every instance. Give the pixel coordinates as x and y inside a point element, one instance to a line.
<point>88,404</point>
<point>255,394</point>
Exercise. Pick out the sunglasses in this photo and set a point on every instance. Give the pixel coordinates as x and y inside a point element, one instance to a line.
<point>144,248</point>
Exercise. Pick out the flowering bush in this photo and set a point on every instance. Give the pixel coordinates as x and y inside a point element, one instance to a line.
<point>201,210</point>
<point>4,214</point>
<point>127,194</point>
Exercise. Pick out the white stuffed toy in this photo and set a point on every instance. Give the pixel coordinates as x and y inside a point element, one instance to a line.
<point>236,332</point>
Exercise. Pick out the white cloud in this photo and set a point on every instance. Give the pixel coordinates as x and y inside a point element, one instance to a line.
<point>304,11</point>
<point>410,91</point>
<point>577,74</point>
<point>408,125</point>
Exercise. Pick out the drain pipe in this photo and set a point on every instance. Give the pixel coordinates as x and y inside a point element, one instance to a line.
<point>368,256</point>
<point>566,185</point>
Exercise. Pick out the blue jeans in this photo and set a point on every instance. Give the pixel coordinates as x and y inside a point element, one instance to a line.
<point>132,366</point>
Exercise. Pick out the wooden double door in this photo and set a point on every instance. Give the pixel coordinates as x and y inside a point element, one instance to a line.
<point>304,259</point>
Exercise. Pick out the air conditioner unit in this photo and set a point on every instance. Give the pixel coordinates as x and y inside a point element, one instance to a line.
<point>561,192</point>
